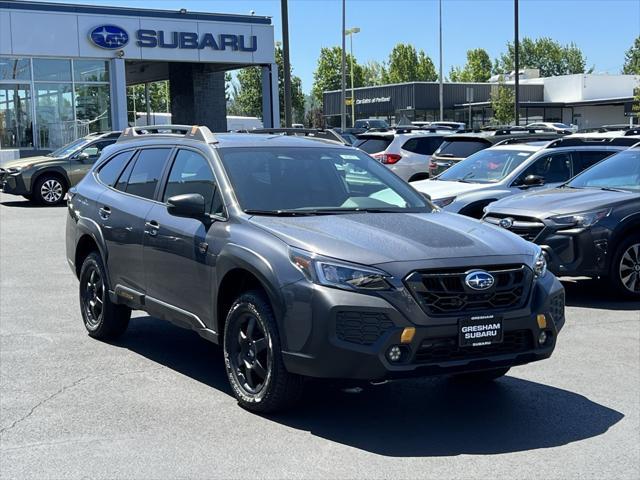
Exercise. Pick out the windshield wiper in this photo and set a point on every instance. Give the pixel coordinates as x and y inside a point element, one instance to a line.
<point>279,213</point>
<point>611,189</point>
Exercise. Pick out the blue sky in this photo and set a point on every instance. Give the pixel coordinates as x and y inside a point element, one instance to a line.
<point>603,29</point>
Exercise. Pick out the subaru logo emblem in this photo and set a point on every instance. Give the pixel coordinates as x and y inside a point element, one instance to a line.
<point>110,37</point>
<point>506,222</point>
<point>479,280</point>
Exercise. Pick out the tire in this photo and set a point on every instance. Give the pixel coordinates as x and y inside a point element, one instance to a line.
<point>482,376</point>
<point>253,358</point>
<point>49,190</point>
<point>103,319</point>
<point>624,272</point>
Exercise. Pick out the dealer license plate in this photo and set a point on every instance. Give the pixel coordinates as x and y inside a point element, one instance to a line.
<point>480,330</point>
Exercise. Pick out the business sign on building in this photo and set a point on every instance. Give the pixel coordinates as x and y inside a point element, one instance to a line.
<point>632,108</point>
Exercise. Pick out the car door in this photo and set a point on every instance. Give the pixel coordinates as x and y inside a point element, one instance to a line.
<point>180,253</point>
<point>555,168</point>
<point>80,163</point>
<point>122,211</point>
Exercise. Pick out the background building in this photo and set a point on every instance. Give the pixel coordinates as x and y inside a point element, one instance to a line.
<point>586,100</point>
<point>64,69</point>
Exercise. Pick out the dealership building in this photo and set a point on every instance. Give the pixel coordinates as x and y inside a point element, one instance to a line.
<point>586,100</point>
<point>64,69</point>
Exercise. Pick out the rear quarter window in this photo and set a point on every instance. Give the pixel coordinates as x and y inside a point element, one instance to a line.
<point>423,146</point>
<point>111,170</point>
<point>586,159</point>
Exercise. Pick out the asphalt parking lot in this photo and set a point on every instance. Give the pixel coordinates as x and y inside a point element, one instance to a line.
<point>156,404</point>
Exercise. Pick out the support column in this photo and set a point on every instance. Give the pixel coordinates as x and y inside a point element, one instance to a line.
<point>118,82</point>
<point>270,97</point>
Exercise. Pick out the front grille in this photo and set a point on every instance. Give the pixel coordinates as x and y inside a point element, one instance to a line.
<point>556,307</point>
<point>445,292</point>
<point>437,350</point>
<point>527,228</point>
<point>363,328</point>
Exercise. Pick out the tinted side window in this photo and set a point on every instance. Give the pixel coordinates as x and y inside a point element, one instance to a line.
<point>553,168</point>
<point>423,146</point>
<point>585,159</point>
<point>462,148</point>
<point>373,145</point>
<point>191,173</point>
<point>146,172</point>
<point>110,171</point>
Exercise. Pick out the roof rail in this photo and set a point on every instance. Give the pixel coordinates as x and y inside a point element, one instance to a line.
<point>632,131</point>
<point>527,139</point>
<point>193,132</point>
<point>577,141</point>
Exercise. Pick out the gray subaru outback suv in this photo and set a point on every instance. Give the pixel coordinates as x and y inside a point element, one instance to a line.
<point>275,248</point>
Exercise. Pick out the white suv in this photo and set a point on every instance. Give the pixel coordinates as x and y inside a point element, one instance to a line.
<point>406,152</point>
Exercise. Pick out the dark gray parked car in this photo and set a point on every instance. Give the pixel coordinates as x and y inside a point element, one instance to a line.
<point>274,247</point>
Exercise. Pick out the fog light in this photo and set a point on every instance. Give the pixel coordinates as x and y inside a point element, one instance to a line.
<point>542,321</point>
<point>394,354</point>
<point>542,337</point>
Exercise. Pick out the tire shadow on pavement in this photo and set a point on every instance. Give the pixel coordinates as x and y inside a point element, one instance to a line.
<point>410,418</point>
<point>28,204</point>
<point>596,294</point>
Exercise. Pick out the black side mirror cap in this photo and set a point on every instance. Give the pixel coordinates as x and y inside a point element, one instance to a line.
<point>189,205</point>
<point>531,180</point>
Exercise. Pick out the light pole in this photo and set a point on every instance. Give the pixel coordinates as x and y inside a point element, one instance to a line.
<point>343,97</point>
<point>351,32</point>
<point>286,63</point>
<point>440,86</point>
<point>516,48</point>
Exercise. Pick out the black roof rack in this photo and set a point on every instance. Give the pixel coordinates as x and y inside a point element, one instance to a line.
<point>313,133</point>
<point>528,139</point>
<point>632,131</point>
<point>577,141</point>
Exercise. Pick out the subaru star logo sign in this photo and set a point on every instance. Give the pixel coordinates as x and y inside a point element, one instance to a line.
<point>479,280</point>
<point>506,222</point>
<point>110,37</point>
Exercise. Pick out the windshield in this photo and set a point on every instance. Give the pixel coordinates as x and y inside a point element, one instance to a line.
<point>486,166</point>
<point>69,148</point>
<point>461,148</point>
<point>312,180</point>
<point>620,171</point>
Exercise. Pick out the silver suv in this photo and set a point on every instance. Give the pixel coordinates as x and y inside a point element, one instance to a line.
<point>406,151</point>
<point>509,168</point>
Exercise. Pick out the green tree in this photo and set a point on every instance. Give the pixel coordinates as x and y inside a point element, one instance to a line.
<point>246,92</point>
<point>408,65</point>
<point>477,68</point>
<point>373,73</point>
<point>503,103</point>
<point>632,59</point>
<point>545,54</point>
<point>328,73</point>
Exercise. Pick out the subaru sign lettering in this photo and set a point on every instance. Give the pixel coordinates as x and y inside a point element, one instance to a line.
<point>109,37</point>
<point>193,41</point>
<point>479,280</point>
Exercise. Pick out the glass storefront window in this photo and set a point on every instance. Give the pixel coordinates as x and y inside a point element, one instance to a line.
<point>15,68</point>
<point>91,71</point>
<point>54,114</point>
<point>93,111</point>
<point>51,70</point>
<point>16,126</point>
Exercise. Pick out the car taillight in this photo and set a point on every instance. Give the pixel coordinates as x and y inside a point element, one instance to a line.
<point>388,158</point>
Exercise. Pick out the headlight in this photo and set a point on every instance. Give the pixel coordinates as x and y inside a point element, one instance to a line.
<point>443,202</point>
<point>540,264</point>
<point>586,219</point>
<point>15,170</point>
<point>332,273</point>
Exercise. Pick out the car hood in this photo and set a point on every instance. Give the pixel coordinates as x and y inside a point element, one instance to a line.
<point>377,238</point>
<point>559,201</point>
<point>441,189</point>
<point>21,162</point>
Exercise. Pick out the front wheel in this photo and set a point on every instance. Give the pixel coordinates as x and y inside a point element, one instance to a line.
<point>482,376</point>
<point>625,268</point>
<point>49,190</point>
<point>253,358</point>
<point>103,319</point>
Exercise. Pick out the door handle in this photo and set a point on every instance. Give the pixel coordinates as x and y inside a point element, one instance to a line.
<point>152,228</point>
<point>105,212</point>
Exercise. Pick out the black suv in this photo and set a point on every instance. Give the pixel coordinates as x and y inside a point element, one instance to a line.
<point>275,247</point>
<point>588,227</point>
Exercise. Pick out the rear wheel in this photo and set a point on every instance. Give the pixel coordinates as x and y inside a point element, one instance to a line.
<point>253,358</point>
<point>102,318</point>
<point>49,190</point>
<point>481,376</point>
<point>625,268</point>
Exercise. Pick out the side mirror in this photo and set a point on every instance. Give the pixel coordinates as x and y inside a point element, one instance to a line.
<point>187,205</point>
<point>82,156</point>
<point>533,180</point>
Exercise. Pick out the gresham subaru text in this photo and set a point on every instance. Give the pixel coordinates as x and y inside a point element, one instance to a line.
<point>277,249</point>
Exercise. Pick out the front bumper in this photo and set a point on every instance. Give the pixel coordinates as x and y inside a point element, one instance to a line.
<point>13,184</point>
<point>317,343</point>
